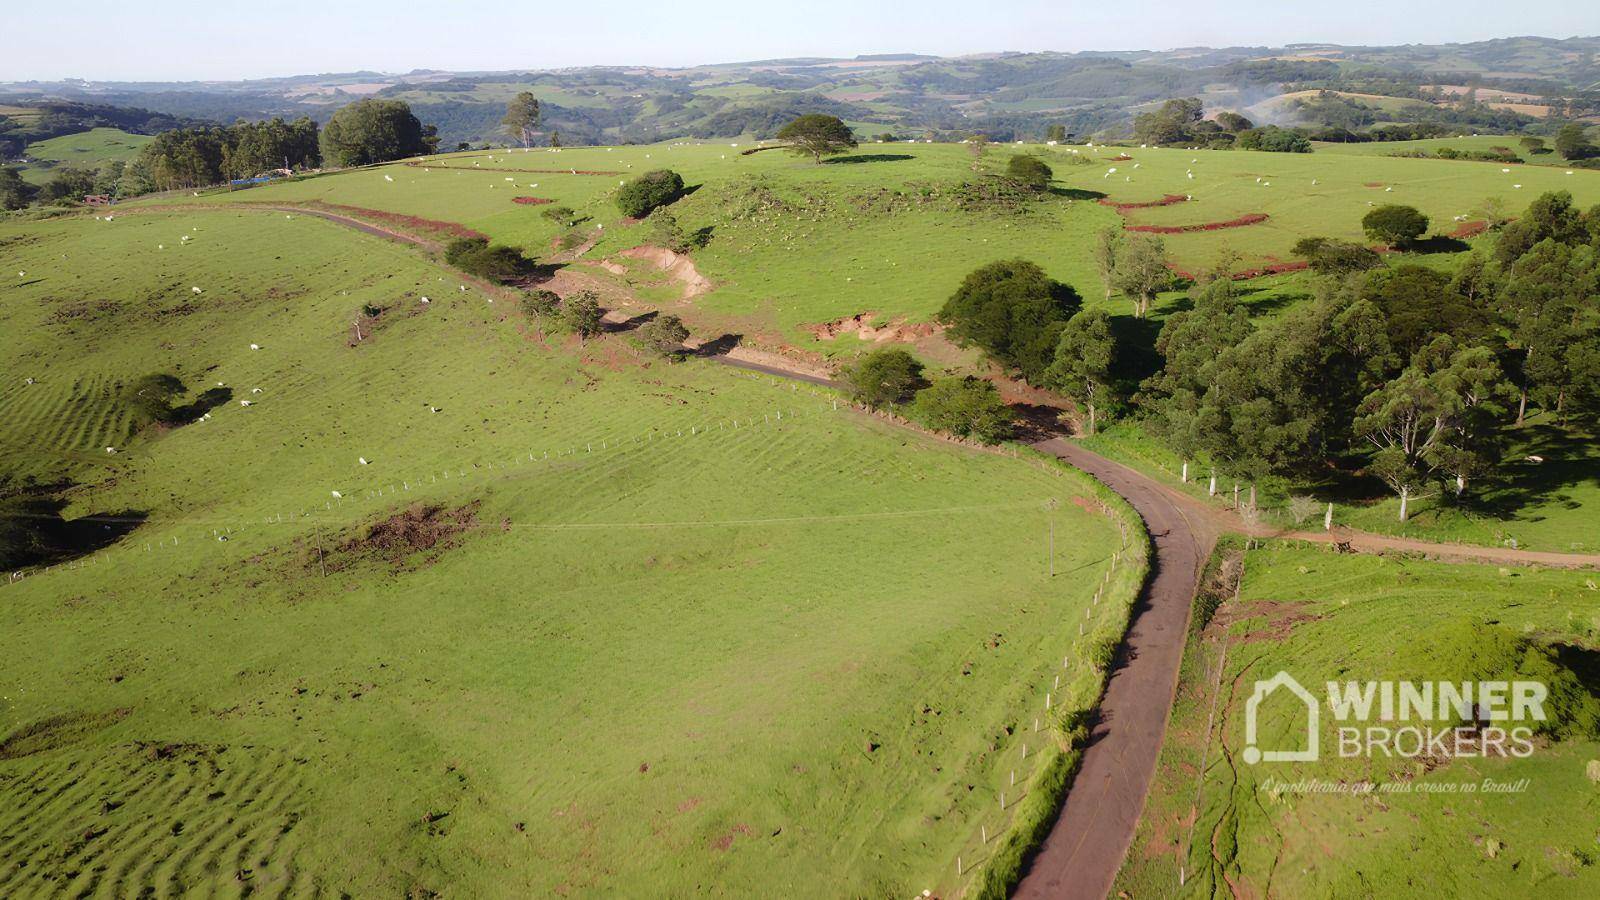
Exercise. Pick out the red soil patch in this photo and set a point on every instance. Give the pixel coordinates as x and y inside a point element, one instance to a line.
<point>416,529</point>
<point>400,220</point>
<point>1374,184</point>
<point>1470,229</point>
<point>531,201</point>
<point>725,841</point>
<point>1242,221</point>
<point>1168,200</point>
<point>1121,157</point>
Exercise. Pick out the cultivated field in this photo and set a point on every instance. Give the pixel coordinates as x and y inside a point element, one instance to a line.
<point>455,605</point>
<point>1218,826</point>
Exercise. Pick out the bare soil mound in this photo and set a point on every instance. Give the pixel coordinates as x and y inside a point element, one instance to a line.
<point>419,528</point>
<point>861,325</point>
<point>680,267</point>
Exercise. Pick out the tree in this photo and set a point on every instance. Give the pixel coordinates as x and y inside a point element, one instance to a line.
<point>1191,342</point>
<point>555,138</point>
<point>1107,246</point>
<point>498,262</point>
<point>883,378</point>
<point>1273,139</point>
<point>664,335</point>
<point>1056,134</point>
<point>1547,302</point>
<point>641,196</point>
<point>150,398</point>
<point>1573,143</point>
<point>540,304</point>
<point>522,117</point>
<point>582,313</point>
<point>372,131</point>
<point>1142,271</point>
<point>1331,256</point>
<point>1534,145</point>
<point>1551,216</point>
<point>1172,123</point>
<point>1013,311</point>
<point>1394,224</point>
<point>14,192</point>
<point>968,407</point>
<point>68,184</point>
<point>1426,419</point>
<point>1085,357</point>
<point>1231,121</point>
<point>817,135</point>
<point>1419,303</point>
<point>1029,170</point>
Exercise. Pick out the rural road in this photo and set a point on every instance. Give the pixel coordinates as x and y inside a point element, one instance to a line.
<point>1084,850</point>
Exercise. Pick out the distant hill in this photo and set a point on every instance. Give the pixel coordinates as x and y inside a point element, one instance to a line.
<point>1005,95</point>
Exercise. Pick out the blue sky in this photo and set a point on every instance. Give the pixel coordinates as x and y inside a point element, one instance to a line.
<point>220,39</point>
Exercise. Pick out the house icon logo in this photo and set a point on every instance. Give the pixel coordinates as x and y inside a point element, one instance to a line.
<point>1264,689</point>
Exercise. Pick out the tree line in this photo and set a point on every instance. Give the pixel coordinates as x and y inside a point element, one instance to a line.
<point>1417,376</point>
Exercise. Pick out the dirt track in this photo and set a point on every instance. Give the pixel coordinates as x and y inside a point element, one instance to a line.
<point>1084,849</point>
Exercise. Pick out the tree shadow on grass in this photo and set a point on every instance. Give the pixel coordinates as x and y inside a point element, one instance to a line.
<point>1077,193</point>
<point>207,401</point>
<point>630,324</point>
<point>38,534</point>
<point>718,346</point>
<point>865,158</point>
<point>1439,244</point>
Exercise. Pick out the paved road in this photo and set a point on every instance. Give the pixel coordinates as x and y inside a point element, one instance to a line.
<point>1085,848</point>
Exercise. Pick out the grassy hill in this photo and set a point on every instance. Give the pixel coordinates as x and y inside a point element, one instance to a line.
<point>457,604</point>
<point>86,149</point>
<point>1215,825</point>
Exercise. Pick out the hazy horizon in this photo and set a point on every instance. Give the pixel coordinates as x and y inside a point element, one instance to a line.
<point>215,41</point>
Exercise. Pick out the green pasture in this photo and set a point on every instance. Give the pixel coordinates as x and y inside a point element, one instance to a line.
<point>1225,188</point>
<point>1478,142</point>
<point>690,629</point>
<point>1215,825</point>
<point>796,244</point>
<point>86,150</point>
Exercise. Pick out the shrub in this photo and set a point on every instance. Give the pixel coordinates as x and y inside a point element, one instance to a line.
<point>664,335</point>
<point>565,216</point>
<point>1030,170</point>
<point>639,197</point>
<point>968,407</point>
<point>1395,225</point>
<point>883,378</point>
<point>665,232</point>
<point>541,304</point>
<point>498,262</point>
<point>581,312</point>
<point>1330,256</point>
<point>150,398</point>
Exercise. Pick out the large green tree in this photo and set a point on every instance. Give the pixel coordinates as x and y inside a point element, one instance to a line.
<point>1014,312</point>
<point>968,407</point>
<point>1086,356</point>
<point>372,131</point>
<point>1428,419</point>
<point>817,135</point>
<point>883,378</point>
<point>1142,271</point>
<point>1171,123</point>
<point>1394,224</point>
<point>522,117</point>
